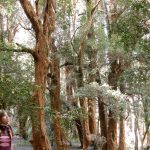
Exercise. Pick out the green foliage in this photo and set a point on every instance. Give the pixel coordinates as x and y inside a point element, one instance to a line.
<point>15,82</point>
<point>131,26</point>
<point>128,41</point>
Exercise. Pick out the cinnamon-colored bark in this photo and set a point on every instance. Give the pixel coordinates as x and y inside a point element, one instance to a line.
<point>103,121</point>
<point>122,145</point>
<point>43,29</point>
<point>112,132</point>
<point>40,139</point>
<point>116,70</point>
<point>85,123</point>
<point>83,101</point>
<point>80,130</point>
<point>92,115</point>
<point>92,65</point>
<point>92,78</point>
<point>61,143</point>
<point>69,86</point>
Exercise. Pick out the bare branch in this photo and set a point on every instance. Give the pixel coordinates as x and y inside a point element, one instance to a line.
<point>66,64</point>
<point>26,28</point>
<point>94,8</point>
<point>147,129</point>
<point>49,16</point>
<point>71,41</point>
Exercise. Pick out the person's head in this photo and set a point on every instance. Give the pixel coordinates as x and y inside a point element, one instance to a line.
<point>3,118</point>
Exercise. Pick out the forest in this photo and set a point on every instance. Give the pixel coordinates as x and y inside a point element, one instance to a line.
<point>76,72</point>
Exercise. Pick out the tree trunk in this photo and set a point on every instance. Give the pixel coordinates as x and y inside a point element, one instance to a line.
<point>136,134</point>
<point>102,114</point>
<point>112,132</point>
<point>147,122</point>
<point>122,134</point>
<point>43,29</point>
<point>92,115</point>
<point>122,145</point>
<point>80,131</point>
<point>112,121</point>
<point>103,122</point>
<point>84,106</point>
<point>83,102</point>
<point>60,138</point>
<point>22,127</point>
<point>148,138</point>
<point>69,92</point>
<point>85,123</point>
<point>1,28</point>
<point>92,78</point>
<point>71,103</point>
<point>116,70</point>
<point>92,53</point>
<point>40,139</point>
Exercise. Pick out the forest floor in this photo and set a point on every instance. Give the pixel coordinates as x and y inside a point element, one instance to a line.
<point>19,144</point>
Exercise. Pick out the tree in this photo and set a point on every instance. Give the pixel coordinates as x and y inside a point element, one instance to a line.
<point>92,53</point>
<point>43,38</point>
<point>95,58</point>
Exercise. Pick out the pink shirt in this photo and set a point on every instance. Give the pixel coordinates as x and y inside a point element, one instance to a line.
<point>5,137</point>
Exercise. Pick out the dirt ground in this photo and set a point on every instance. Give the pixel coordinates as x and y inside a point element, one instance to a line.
<point>20,144</point>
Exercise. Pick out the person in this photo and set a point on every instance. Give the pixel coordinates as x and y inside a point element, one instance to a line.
<point>6,132</point>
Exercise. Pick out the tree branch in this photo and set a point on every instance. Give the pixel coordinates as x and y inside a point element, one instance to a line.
<point>20,50</point>
<point>25,28</point>
<point>29,10</point>
<point>89,24</point>
<point>147,129</point>
<point>73,37</point>
<point>48,14</point>
<point>37,7</point>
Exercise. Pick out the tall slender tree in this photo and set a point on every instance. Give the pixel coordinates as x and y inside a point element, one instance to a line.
<point>116,71</point>
<point>92,53</point>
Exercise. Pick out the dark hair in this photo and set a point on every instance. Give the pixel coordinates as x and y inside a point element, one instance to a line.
<point>2,114</point>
